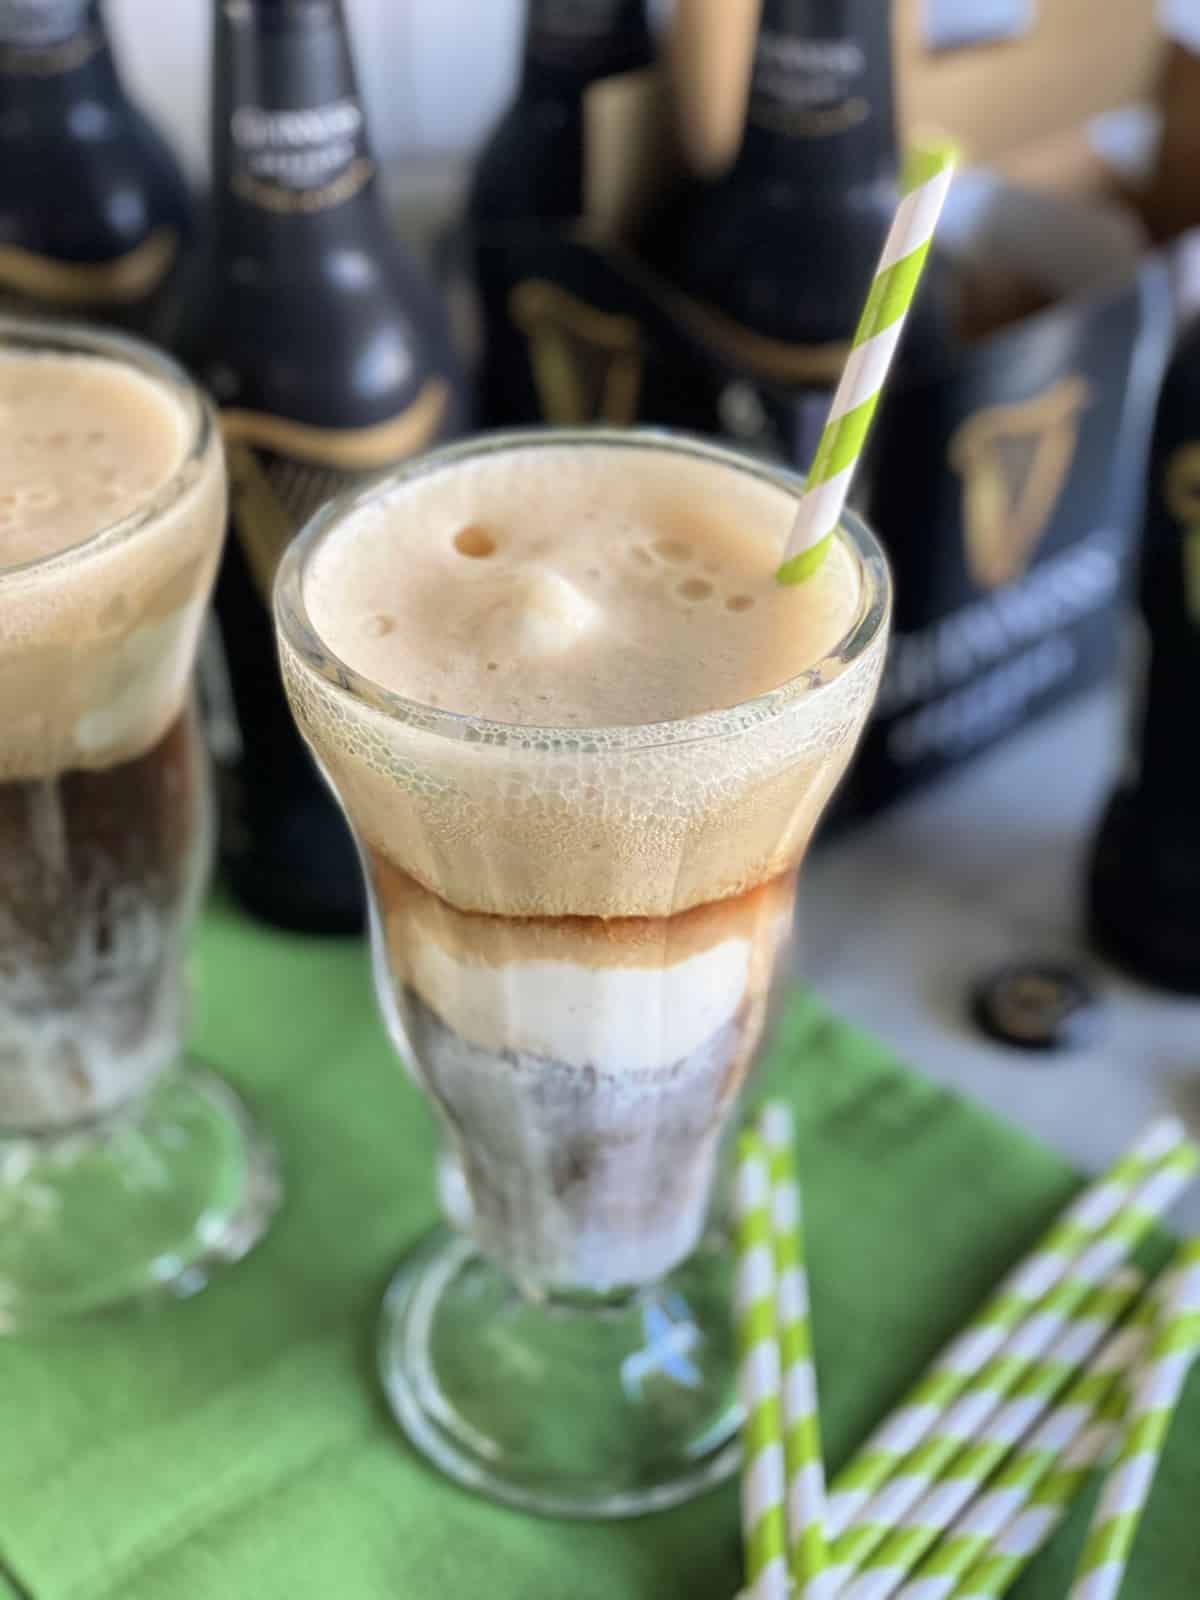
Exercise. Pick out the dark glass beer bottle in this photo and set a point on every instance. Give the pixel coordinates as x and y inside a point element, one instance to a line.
<point>330,357</point>
<point>94,209</point>
<point>1145,870</point>
<point>784,244</point>
<point>533,166</point>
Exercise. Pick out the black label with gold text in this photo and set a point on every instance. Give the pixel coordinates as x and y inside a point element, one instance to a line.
<point>299,160</point>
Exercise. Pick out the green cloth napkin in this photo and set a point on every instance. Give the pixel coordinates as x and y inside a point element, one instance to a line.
<point>236,1445</point>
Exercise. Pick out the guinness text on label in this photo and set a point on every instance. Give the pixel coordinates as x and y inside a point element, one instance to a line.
<point>298,148</point>
<point>1063,590</point>
<point>800,74</point>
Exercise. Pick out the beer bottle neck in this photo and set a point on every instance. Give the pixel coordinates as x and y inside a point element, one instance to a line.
<point>290,150</point>
<point>54,54</point>
<point>569,44</point>
<point>821,111</point>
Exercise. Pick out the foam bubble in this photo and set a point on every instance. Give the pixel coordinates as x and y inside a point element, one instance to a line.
<point>673,549</point>
<point>475,542</point>
<point>534,613</point>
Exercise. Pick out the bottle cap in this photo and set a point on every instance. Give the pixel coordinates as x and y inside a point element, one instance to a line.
<point>1038,1005</point>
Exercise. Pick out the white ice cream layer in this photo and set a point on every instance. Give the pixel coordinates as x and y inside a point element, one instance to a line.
<point>140,685</point>
<point>619,1019</point>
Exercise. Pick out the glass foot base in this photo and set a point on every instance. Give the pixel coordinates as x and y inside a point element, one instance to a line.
<point>577,1409</point>
<point>150,1200</point>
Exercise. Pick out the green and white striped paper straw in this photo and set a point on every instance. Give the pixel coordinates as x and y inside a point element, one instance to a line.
<point>764,1527</point>
<point>975,1449</point>
<point>1161,1146</point>
<point>1036,1520</point>
<point>995,1572</point>
<point>808,1550</point>
<point>1006,1494</point>
<point>1156,1391</point>
<point>878,334</point>
<point>982,1393</point>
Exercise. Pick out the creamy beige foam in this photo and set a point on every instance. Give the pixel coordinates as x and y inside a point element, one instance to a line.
<point>576,587</point>
<point>581,615</point>
<point>98,634</point>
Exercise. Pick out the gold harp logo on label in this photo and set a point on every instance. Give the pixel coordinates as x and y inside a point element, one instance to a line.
<point>1014,460</point>
<point>587,364</point>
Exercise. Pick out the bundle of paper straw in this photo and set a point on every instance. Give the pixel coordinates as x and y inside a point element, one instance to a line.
<point>961,1486</point>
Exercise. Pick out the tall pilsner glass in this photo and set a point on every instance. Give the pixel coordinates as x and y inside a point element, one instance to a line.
<point>575,928</point>
<point>120,1171</point>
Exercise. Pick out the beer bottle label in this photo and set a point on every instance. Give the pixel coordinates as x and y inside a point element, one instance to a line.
<point>281,471</point>
<point>808,88</point>
<point>300,160</point>
<point>292,162</point>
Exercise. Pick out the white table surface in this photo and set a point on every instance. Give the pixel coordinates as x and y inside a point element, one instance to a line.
<point>899,917</point>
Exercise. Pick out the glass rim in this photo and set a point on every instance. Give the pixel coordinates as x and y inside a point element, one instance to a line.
<point>46,336</point>
<point>296,628</point>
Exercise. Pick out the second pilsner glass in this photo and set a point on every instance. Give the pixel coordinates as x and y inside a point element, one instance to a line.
<point>121,1172</point>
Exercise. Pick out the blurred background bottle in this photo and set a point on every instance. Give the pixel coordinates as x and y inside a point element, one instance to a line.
<point>94,210</point>
<point>532,174</point>
<point>532,167</point>
<point>1145,872</point>
<point>329,355</point>
<point>783,245</point>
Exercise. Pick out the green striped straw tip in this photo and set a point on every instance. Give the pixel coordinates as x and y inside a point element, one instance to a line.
<point>1156,1145</point>
<point>1157,1388</point>
<point>763,1519</point>
<point>925,159</point>
<point>777,1130</point>
<point>872,351</point>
